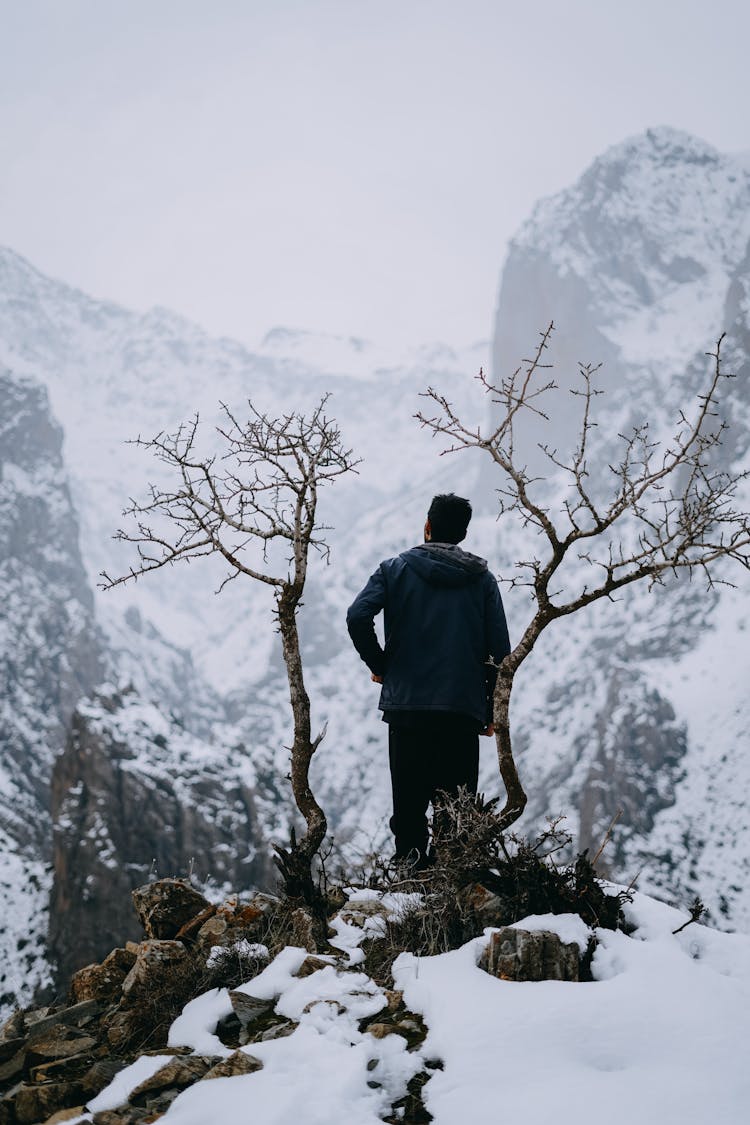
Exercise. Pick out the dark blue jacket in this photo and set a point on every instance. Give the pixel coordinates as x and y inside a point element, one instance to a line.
<point>444,621</point>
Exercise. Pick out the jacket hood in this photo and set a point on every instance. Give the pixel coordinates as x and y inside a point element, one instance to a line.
<point>444,564</point>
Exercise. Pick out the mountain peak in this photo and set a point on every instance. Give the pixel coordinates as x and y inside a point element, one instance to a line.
<point>662,203</point>
<point>663,143</point>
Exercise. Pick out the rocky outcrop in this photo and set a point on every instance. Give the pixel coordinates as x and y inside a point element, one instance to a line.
<point>135,795</point>
<point>50,655</point>
<point>59,1057</point>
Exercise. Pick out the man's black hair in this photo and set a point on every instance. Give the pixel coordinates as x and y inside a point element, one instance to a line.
<point>449,517</point>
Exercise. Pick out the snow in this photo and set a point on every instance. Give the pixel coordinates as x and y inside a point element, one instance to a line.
<point>568,927</point>
<point>194,1027</point>
<point>123,1084</point>
<point>658,1036</point>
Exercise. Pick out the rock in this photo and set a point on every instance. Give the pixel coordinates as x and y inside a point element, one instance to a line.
<point>70,1066</point>
<point>125,1115</point>
<point>13,1028</point>
<point>523,955</point>
<point>230,925</point>
<point>167,905</point>
<point>14,1066</point>
<point>248,1009</point>
<point>131,788</point>
<point>175,1075</point>
<point>59,1043</point>
<point>489,909</point>
<point>9,1047</point>
<point>380,1030</point>
<point>65,1115</point>
<point>103,982</point>
<point>100,1075</point>
<point>311,965</point>
<point>277,1031</point>
<point>155,967</point>
<point>36,1103</point>
<point>237,1063</point>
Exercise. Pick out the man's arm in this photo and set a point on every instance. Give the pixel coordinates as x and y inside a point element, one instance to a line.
<point>359,621</point>
<point>497,641</point>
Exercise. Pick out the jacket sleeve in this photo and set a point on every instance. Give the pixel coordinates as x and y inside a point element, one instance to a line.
<point>497,641</point>
<point>359,621</point>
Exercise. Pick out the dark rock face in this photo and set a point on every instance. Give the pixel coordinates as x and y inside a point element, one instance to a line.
<point>50,655</point>
<point>134,795</point>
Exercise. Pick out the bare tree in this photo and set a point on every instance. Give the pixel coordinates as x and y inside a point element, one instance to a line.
<point>262,491</point>
<point>661,508</point>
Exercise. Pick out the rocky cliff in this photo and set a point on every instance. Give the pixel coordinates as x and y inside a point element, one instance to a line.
<point>51,654</point>
<point>642,264</point>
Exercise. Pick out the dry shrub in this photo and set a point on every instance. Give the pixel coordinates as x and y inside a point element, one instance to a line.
<point>471,855</point>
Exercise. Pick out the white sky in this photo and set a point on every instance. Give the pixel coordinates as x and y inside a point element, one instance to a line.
<point>350,167</point>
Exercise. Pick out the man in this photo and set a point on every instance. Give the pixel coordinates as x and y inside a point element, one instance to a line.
<point>445,634</point>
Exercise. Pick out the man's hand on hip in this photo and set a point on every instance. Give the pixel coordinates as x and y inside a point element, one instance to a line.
<point>377,679</point>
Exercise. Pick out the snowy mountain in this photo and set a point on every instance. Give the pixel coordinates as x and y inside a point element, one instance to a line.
<point>640,705</point>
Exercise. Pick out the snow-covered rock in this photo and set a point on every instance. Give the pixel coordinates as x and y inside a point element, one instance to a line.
<point>50,654</point>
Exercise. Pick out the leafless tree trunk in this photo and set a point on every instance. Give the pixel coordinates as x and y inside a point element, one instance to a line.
<point>263,489</point>
<point>669,508</point>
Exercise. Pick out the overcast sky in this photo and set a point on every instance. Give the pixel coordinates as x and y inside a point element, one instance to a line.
<point>349,167</point>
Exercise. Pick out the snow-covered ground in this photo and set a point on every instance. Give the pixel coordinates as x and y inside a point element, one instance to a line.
<point>658,1037</point>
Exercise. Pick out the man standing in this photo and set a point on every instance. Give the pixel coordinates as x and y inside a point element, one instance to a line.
<point>445,634</point>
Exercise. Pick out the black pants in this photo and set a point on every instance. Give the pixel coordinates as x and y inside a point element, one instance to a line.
<point>441,755</point>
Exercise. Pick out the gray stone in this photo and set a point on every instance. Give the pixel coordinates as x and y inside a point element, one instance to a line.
<point>524,955</point>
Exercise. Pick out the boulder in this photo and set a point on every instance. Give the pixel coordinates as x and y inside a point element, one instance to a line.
<point>237,1063</point>
<point>103,982</point>
<point>167,905</point>
<point>524,955</point>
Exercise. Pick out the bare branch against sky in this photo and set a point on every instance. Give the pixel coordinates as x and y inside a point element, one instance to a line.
<point>353,168</point>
